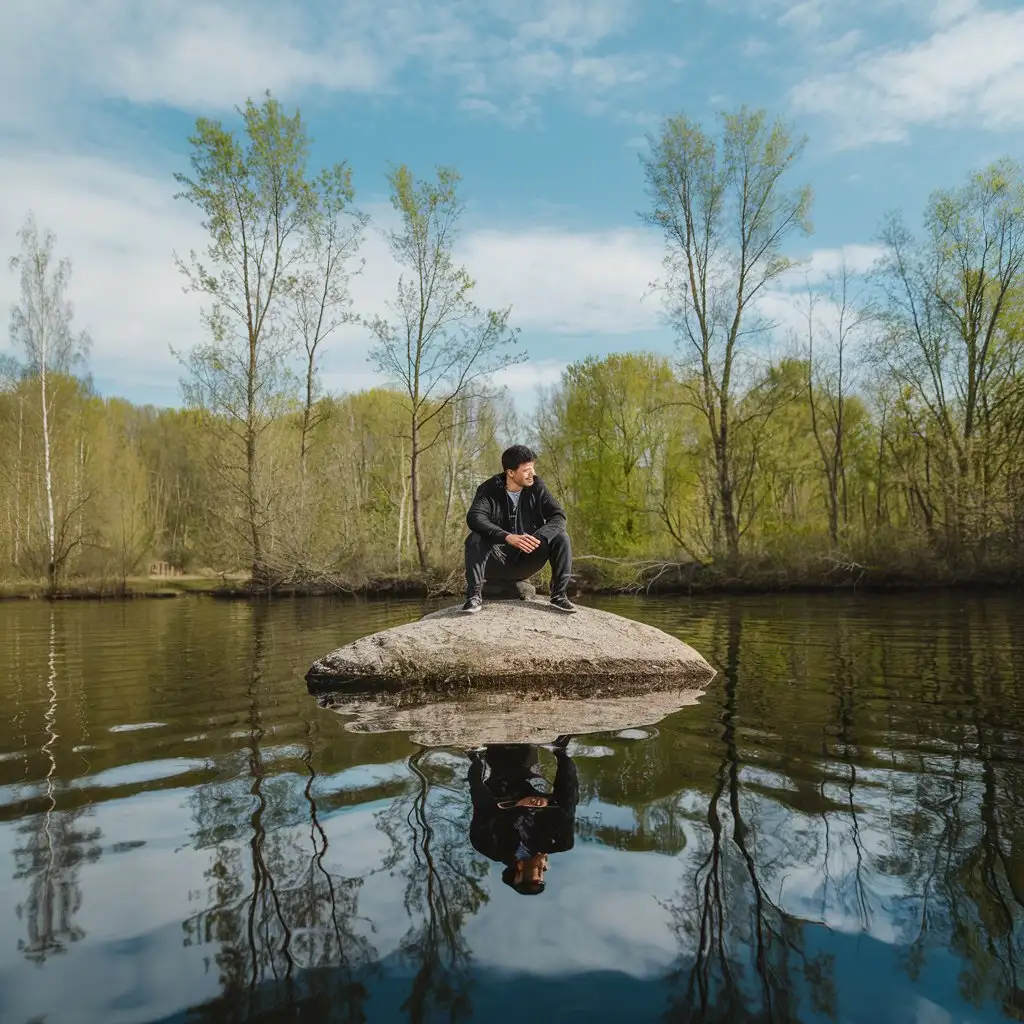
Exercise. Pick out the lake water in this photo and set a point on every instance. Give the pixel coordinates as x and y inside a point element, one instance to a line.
<point>835,832</point>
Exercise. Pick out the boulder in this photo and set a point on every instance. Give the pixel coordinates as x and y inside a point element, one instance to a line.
<point>501,590</point>
<point>505,715</point>
<point>520,644</point>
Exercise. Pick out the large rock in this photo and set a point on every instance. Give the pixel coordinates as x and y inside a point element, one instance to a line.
<point>527,644</point>
<point>505,715</point>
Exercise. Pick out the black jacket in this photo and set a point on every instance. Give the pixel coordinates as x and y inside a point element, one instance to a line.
<point>539,513</point>
<point>498,832</point>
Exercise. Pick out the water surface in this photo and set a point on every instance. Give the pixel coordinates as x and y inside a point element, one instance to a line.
<point>834,833</point>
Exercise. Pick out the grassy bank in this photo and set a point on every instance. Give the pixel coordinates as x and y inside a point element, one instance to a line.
<point>594,576</point>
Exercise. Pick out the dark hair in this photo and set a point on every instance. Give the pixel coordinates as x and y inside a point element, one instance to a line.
<point>512,458</point>
<point>525,887</point>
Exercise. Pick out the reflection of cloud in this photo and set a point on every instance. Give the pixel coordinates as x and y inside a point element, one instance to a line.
<point>584,921</point>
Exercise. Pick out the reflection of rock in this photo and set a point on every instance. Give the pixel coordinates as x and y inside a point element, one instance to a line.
<point>507,716</point>
<point>511,641</point>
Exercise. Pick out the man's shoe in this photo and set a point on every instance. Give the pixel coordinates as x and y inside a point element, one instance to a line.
<point>562,603</point>
<point>473,605</point>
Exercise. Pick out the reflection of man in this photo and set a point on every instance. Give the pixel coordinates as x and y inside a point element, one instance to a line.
<point>515,527</point>
<point>518,817</point>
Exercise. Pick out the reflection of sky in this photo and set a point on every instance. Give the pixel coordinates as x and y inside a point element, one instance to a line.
<point>599,913</point>
<point>603,919</point>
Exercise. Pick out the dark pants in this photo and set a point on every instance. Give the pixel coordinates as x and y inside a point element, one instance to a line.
<point>487,561</point>
<point>514,771</point>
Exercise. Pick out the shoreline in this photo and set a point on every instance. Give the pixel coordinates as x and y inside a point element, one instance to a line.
<point>705,582</point>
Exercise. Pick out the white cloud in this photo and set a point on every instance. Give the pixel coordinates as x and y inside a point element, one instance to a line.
<point>947,12</point>
<point>753,48</point>
<point>538,374</point>
<point>969,72</point>
<point>210,54</point>
<point>120,227</point>
<point>569,282</point>
<point>805,16</point>
<point>825,263</point>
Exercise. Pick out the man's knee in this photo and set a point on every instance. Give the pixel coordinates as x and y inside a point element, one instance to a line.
<point>560,542</point>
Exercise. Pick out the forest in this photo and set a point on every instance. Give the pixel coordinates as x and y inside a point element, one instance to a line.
<point>880,444</point>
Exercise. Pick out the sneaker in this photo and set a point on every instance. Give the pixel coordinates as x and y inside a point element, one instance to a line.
<point>562,603</point>
<point>473,605</point>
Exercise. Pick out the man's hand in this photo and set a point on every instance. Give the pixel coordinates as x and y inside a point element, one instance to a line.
<point>525,542</point>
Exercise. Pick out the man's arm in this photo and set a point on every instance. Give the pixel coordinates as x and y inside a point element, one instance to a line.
<point>552,513</point>
<point>479,520</point>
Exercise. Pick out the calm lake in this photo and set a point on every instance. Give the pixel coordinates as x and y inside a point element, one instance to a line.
<point>835,832</point>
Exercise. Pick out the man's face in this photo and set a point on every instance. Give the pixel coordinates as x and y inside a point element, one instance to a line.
<point>523,476</point>
<point>531,869</point>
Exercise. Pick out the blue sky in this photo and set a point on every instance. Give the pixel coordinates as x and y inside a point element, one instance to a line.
<point>543,107</point>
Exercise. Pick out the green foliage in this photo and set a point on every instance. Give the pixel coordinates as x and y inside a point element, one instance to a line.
<point>438,347</point>
<point>890,436</point>
<point>726,215</point>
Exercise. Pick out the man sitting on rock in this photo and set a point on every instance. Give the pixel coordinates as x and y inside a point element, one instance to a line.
<point>516,526</point>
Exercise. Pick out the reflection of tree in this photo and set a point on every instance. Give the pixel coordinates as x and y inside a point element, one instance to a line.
<point>834,891</point>
<point>658,827</point>
<point>275,911</point>
<point>644,778</point>
<point>913,831</point>
<point>429,835</point>
<point>727,918</point>
<point>976,890</point>
<point>55,845</point>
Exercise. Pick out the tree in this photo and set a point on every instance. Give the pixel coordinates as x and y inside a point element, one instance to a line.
<point>41,326</point>
<point>441,347</point>
<point>128,526</point>
<point>951,340</point>
<point>319,295</point>
<point>829,378</point>
<point>264,216</point>
<point>608,444</point>
<point>725,215</point>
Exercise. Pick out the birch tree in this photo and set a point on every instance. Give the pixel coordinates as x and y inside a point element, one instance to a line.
<point>41,328</point>
<point>438,347</point>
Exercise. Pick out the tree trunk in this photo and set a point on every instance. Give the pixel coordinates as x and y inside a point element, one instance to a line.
<point>833,509</point>
<point>401,524</point>
<point>307,418</point>
<point>414,491</point>
<point>17,486</point>
<point>250,466</point>
<point>47,472</point>
<point>730,526</point>
<point>454,450</point>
